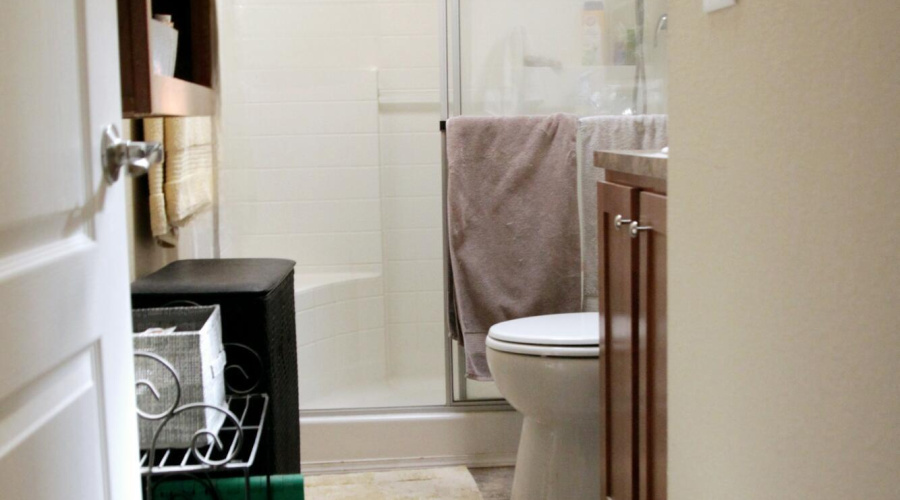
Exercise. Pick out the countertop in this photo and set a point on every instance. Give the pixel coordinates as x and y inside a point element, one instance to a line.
<point>641,162</point>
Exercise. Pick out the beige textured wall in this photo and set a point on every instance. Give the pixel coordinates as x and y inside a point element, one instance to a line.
<point>146,255</point>
<point>784,224</point>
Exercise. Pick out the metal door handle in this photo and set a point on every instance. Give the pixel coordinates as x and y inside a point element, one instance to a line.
<point>636,229</point>
<point>619,221</point>
<point>118,153</point>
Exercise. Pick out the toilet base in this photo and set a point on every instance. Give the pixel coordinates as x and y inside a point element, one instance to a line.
<point>557,462</point>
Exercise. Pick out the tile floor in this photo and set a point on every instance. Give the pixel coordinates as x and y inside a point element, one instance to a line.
<point>494,483</point>
<point>443,483</point>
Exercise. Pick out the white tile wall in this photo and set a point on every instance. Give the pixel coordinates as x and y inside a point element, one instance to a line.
<point>313,150</point>
<point>407,52</point>
<point>306,217</point>
<point>408,19</point>
<point>411,148</point>
<point>287,119</point>
<point>308,85</point>
<point>302,184</point>
<point>411,180</point>
<point>307,52</point>
<point>407,78</point>
<point>416,244</point>
<point>290,20</point>
<point>316,170</point>
<point>410,119</point>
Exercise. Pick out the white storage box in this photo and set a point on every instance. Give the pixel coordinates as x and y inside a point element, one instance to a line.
<point>163,47</point>
<point>194,349</point>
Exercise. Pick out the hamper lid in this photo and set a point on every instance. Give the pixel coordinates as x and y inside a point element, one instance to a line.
<point>201,276</point>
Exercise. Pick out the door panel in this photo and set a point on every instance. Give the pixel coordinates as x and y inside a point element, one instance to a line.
<point>66,377</point>
<point>617,253</point>
<point>55,413</point>
<point>652,348</point>
<point>42,203</point>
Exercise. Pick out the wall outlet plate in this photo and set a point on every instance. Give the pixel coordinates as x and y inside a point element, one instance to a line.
<point>714,5</point>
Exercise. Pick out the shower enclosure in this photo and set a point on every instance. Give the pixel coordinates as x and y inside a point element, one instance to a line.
<point>331,155</point>
<point>514,57</point>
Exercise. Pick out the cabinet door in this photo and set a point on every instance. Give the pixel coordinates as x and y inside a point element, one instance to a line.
<point>618,270</point>
<point>652,349</point>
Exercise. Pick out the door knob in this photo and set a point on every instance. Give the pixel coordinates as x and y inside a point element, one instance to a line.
<point>117,153</point>
<point>620,221</point>
<point>636,229</point>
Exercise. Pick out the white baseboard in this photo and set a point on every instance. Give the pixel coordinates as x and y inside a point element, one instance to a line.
<point>409,440</point>
<point>499,460</point>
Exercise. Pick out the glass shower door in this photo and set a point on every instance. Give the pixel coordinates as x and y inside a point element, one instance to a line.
<point>530,57</point>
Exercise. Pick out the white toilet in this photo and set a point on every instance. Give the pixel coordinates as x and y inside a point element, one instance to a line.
<point>547,367</point>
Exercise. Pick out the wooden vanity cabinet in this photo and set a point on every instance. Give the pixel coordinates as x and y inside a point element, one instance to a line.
<point>632,279</point>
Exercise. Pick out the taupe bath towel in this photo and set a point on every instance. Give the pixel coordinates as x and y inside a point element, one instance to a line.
<point>607,133</point>
<point>512,210</point>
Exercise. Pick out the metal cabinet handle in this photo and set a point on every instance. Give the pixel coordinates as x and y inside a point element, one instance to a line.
<point>619,221</point>
<point>118,153</point>
<point>636,229</point>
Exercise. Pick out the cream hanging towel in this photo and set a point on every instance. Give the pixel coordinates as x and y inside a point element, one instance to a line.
<point>181,186</point>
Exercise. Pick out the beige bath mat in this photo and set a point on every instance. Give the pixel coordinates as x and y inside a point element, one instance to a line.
<point>446,483</point>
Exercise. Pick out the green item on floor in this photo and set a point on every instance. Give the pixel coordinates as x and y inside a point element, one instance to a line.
<point>284,487</point>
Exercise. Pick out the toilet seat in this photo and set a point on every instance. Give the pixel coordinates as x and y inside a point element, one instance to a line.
<point>543,350</point>
<point>571,335</point>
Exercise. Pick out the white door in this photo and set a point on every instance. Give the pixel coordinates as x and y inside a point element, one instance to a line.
<point>67,423</point>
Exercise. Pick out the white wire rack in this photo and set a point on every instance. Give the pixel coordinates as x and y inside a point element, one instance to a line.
<point>232,448</point>
<point>239,440</point>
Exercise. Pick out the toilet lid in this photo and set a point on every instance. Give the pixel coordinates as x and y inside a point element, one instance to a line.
<point>572,330</point>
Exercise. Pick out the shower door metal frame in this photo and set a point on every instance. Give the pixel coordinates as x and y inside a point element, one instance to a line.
<point>450,40</point>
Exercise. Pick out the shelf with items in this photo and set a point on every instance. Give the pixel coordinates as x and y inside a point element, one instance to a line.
<point>147,91</point>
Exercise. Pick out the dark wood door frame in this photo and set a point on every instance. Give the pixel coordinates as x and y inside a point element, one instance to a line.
<point>652,394</point>
<point>618,274</point>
